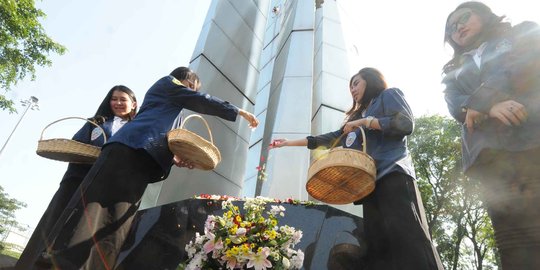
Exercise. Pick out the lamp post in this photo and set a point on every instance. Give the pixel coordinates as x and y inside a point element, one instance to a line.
<point>30,103</point>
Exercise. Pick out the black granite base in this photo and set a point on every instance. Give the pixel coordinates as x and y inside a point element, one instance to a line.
<point>332,239</point>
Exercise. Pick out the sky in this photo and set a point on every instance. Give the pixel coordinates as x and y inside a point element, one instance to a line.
<point>137,42</point>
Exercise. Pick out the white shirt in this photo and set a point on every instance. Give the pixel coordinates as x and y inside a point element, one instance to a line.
<point>117,124</point>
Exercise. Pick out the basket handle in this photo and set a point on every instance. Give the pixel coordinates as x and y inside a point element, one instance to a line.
<point>364,142</point>
<point>203,120</point>
<point>75,117</point>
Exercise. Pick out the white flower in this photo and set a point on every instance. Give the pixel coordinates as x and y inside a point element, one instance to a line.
<point>191,249</point>
<point>277,210</point>
<point>298,260</point>
<point>196,262</point>
<point>286,263</point>
<point>209,223</point>
<point>241,231</point>
<point>297,235</point>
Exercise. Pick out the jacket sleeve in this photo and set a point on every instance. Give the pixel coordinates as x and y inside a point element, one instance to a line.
<point>397,119</point>
<point>83,135</point>
<point>200,102</point>
<point>327,139</point>
<point>525,62</point>
<point>455,98</point>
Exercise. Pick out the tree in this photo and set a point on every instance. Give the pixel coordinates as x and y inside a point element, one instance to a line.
<point>459,224</point>
<point>23,45</point>
<point>8,207</point>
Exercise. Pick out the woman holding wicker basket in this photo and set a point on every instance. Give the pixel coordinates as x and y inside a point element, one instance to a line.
<point>395,224</point>
<point>117,108</point>
<point>134,157</point>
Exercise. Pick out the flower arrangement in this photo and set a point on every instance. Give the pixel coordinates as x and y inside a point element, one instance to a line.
<point>232,198</point>
<point>247,240</point>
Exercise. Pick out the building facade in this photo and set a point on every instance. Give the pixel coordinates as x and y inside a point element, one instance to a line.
<point>283,60</point>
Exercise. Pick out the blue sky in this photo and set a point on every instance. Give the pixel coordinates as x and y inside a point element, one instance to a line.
<point>136,42</point>
<point>109,42</point>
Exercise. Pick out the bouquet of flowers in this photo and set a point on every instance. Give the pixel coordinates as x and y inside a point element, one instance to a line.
<point>247,240</point>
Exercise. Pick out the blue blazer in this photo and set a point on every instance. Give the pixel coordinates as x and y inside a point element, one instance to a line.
<point>388,147</point>
<point>90,134</point>
<point>508,70</point>
<point>162,104</point>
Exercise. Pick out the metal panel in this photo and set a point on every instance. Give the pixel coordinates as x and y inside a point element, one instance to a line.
<point>294,112</point>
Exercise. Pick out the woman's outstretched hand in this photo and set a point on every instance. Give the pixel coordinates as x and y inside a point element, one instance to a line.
<point>253,121</point>
<point>277,143</point>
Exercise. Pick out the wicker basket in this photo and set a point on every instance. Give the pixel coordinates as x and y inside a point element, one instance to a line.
<point>342,175</point>
<point>189,146</point>
<point>69,150</point>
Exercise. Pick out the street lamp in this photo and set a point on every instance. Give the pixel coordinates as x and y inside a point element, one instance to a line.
<point>30,103</point>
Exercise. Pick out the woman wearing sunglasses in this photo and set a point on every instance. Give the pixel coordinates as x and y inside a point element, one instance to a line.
<point>492,88</point>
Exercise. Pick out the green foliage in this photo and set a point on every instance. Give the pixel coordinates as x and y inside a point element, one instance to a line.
<point>459,224</point>
<point>8,251</point>
<point>8,206</point>
<point>23,44</point>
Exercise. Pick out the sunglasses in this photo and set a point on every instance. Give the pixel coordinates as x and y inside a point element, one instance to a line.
<point>463,19</point>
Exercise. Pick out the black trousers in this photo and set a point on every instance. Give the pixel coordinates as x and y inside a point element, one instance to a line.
<point>396,230</point>
<point>38,242</point>
<point>510,183</point>
<point>107,202</point>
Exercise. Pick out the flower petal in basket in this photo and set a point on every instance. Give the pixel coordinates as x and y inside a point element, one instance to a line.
<point>69,150</point>
<point>342,176</point>
<point>189,146</point>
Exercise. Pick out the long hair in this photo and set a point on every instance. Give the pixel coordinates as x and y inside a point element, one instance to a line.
<point>104,110</point>
<point>375,84</point>
<point>492,26</point>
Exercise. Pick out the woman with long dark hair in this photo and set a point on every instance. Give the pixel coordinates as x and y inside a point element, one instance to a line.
<point>394,220</point>
<point>493,89</point>
<point>117,108</point>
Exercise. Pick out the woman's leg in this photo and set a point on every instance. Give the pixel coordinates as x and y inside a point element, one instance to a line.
<point>511,194</point>
<point>107,205</point>
<point>38,242</point>
<point>405,243</point>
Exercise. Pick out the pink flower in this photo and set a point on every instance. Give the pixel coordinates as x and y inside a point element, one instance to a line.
<point>230,261</point>
<point>259,261</point>
<point>211,244</point>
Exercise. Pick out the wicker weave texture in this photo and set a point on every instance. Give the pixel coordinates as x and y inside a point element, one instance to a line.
<point>341,176</point>
<point>68,151</point>
<point>189,146</point>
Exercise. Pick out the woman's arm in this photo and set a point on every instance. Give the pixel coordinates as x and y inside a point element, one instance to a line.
<point>312,142</point>
<point>397,118</point>
<point>277,143</point>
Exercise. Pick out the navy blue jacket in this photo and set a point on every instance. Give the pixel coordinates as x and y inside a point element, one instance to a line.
<point>509,69</point>
<point>162,104</point>
<point>89,134</point>
<point>388,146</point>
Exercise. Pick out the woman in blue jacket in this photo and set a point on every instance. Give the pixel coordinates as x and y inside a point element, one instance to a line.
<point>135,156</point>
<point>117,108</point>
<point>396,233</point>
<point>493,89</point>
